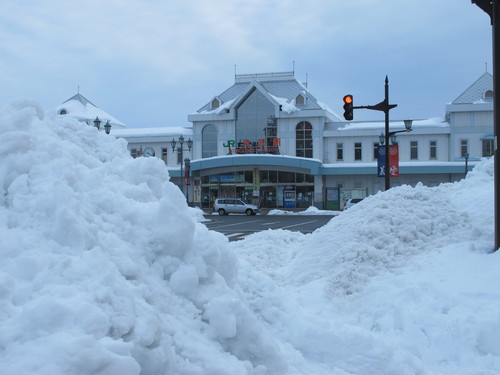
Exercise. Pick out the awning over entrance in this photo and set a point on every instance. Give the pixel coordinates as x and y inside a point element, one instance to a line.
<point>313,165</point>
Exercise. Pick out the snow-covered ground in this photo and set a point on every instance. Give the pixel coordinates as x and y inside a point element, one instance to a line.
<point>105,270</point>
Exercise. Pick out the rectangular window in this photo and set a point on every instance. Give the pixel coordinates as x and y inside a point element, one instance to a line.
<point>413,150</point>
<point>488,147</point>
<point>358,151</point>
<point>179,156</point>
<point>340,151</point>
<point>375,151</point>
<point>164,155</point>
<point>464,147</point>
<point>433,150</point>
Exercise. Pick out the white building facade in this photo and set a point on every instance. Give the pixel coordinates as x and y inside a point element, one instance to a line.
<point>268,140</point>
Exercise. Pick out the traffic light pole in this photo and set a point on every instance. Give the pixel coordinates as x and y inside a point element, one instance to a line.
<point>492,8</point>
<point>385,107</point>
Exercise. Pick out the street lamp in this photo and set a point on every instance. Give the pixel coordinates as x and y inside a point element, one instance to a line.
<point>97,123</point>
<point>384,140</point>
<point>107,127</point>
<point>181,149</point>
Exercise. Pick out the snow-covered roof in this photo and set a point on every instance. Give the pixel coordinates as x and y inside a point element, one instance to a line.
<point>84,110</point>
<point>432,122</point>
<point>476,92</point>
<point>173,131</point>
<point>281,87</point>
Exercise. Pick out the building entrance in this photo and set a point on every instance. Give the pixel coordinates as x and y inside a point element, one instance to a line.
<point>276,189</point>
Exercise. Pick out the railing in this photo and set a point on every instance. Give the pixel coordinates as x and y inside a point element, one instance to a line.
<point>244,77</point>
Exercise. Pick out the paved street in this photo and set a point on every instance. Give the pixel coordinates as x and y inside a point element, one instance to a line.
<point>236,227</point>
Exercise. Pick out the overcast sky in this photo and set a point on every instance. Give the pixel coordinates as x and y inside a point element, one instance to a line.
<point>152,62</point>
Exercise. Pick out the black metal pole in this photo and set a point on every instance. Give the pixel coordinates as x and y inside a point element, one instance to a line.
<point>182,177</point>
<point>496,115</point>
<point>386,112</point>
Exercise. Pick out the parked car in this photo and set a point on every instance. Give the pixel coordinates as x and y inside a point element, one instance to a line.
<point>351,202</point>
<point>226,206</point>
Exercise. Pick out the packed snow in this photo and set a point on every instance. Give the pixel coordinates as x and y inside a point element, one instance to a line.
<point>105,270</point>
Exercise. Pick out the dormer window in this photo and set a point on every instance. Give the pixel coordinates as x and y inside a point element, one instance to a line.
<point>215,103</point>
<point>488,96</point>
<point>299,100</point>
<point>63,111</point>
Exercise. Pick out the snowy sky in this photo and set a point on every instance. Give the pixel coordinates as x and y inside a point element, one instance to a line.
<point>150,63</point>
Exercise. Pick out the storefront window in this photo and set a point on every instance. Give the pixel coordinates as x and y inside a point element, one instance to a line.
<point>278,189</point>
<point>249,177</point>
<point>273,177</point>
<point>286,177</point>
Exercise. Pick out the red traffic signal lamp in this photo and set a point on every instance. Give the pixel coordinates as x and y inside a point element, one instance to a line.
<point>348,107</point>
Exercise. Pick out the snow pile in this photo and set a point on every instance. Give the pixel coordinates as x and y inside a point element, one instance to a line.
<point>105,270</point>
<point>286,106</point>
<point>402,283</point>
<point>311,210</point>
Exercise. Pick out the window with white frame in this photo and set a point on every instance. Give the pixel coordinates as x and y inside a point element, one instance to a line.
<point>432,150</point>
<point>464,147</point>
<point>303,140</point>
<point>413,150</point>
<point>488,147</point>
<point>358,151</point>
<point>164,155</point>
<point>340,151</point>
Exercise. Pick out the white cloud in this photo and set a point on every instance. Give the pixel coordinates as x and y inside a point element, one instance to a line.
<point>109,47</point>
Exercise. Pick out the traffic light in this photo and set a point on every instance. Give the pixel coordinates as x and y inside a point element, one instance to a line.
<point>348,115</point>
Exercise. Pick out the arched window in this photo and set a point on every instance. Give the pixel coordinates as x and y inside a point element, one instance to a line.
<point>209,141</point>
<point>488,96</point>
<point>299,100</point>
<point>303,140</point>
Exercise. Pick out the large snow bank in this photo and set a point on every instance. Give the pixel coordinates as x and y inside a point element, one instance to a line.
<point>402,283</point>
<point>104,269</point>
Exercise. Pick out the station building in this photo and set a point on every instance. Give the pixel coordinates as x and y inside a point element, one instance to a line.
<point>268,140</point>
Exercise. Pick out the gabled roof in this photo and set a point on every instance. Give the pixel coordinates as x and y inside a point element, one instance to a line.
<point>80,98</point>
<point>84,110</point>
<point>282,88</point>
<point>475,93</point>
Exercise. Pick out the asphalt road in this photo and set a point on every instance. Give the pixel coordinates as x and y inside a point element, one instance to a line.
<point>236,227</point>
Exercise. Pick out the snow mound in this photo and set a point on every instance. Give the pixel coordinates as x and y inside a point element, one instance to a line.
<point>105,270</point>
<point>402,283</point>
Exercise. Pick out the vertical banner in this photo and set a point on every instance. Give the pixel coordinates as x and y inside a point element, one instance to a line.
<point>381,161</point>
<point>197,190</point>
<point>394,160</point>
<point>256,182</point>
<point>186,175</point>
